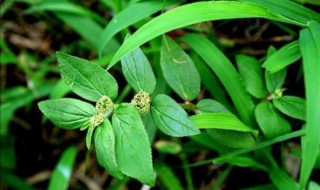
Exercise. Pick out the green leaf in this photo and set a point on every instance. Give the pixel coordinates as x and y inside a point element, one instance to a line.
<point>125,18</point>
<point>275,80</point>
<point>167,177</point>
<point>104,141</point>
<point>226,129</point>
<point>138,72</point>
<point>226,121</point>
<point>59,90</point>
<point>226,73</point>
<point>63,170</point>
<point>67,7</point>
<point>234,139</point>
<point>12,181</point>
<point>8,159</point>
<point>179,70</point>
<point>270,121</point>
<point>211,106</point>
<point>292,106</point>
<point>168,147</point>
<point>310,48</point>
<point>191,14</point>
<point>171,118</point>
<point>243,161</point>
<point>210,81</point>
<point>150,126</point>
<point>89,136</point>
<point>90,32</point>
<point>288,9</point>
<point>251,72</point>
<point>133,150</point>
<point>285,56</point>
<point>67,113</point>
<point>206,140</point>
<point>86,79</point>
<point>313,186</point>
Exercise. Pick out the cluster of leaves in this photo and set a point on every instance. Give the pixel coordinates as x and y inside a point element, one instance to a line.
<point>123,147</point>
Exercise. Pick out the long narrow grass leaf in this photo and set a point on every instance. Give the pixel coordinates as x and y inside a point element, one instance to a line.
<point>126,18</point>
<point>288,9</point>
<point>195,13</point>
<point>227,74</point>
<point>310,49</point>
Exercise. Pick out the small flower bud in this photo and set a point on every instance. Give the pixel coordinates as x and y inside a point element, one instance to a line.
<point>277,93</point>
<point>141,102</point>
<point>104,105</point>
<point>96,120</point>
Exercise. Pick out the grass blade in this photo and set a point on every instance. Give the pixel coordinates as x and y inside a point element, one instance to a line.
<point>310,49</point>
<point>289,9</point>
<point>195,13</point>
<point>125,18</point>
<point>227,74</point>
<point>62,173</point>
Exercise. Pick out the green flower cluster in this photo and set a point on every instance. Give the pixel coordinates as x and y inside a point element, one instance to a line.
<point>141,102</point>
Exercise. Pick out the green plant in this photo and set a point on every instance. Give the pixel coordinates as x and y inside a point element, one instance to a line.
<point>122,147</point>
<point>259,114</point>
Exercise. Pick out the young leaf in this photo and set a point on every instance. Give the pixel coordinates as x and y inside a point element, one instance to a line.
<point>67,113</point>
<point>292,106</point>
<point>275,80</point>
<point>104,141</point>
<point>310,48</point>
<point>208,105</point>
<point>89,136</point>
<point>86,79</point>
<point>270,121</point>
<point>171,118</point>
<point>179,70</point>
<point>138,72</point>
<point>283,57</point>
<point>133,150</point>
<point>251,72</point>
<point>61,175</point>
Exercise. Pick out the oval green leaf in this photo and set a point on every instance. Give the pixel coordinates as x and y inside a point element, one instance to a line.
<point>133,150</point>
<point>292,106</point>
<point>211,106</point>
<point>275,80</point>
<point>283,57</point>
<point>171,118</point>
<point>179,70</point>
<point>86,79</point>
<point>138,72</point>
<point>67,113</point>
<point>233,139</point>
<point>104,141</point>
<point>251,72</point>
<point>270,121</point>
